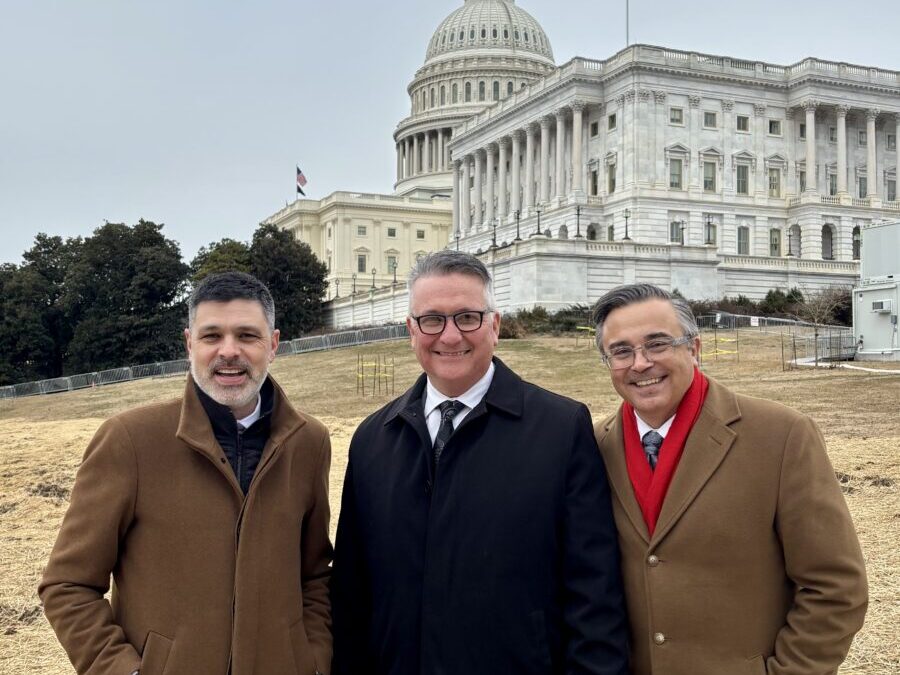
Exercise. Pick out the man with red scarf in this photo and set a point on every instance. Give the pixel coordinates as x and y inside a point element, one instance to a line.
<point>738,552</point>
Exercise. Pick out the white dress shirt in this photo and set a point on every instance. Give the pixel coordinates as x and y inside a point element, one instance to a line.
<point>471,398</point>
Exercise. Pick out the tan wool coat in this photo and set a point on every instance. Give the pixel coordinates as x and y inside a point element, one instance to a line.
<point>754,567</point>
<point>203,578</point>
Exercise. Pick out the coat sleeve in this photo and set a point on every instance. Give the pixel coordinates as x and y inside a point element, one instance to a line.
<point>315,560</point>
<point>350,595</point>
<point>822,558</point>
<point>77,575</point>
<point>594,604</point>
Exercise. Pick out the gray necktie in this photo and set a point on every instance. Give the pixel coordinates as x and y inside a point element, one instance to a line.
<point>652,442</point>
<point>449,409</point>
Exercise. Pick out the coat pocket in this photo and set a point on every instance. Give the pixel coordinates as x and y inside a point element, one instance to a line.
<point>155,654</point>
<point>304,662</point>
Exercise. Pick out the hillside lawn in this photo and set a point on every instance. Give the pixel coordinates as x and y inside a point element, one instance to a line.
<point>859,413</point>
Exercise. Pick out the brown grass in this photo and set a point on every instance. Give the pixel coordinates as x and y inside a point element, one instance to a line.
<point>45,437</point>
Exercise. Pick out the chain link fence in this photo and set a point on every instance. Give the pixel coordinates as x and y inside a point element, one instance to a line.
<point>313,343</point>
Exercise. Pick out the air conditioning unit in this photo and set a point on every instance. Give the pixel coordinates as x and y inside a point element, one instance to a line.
<point>882,306</point>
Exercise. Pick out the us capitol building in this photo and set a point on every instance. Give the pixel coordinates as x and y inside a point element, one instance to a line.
<point>707,174</point>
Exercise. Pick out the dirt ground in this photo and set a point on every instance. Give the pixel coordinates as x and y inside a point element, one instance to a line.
<point>857,411</point>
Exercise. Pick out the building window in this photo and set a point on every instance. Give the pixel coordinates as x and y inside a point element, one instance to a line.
<point>361,263</point>
<point>610,233</point>
<point>891,190</point>
<point>743,240</point>
<point>802,130</point>
<point>392,232</point>
<point>360,230</point>
<point>891,141</point>
<point>862,138</point>
<point>743,123</point>
<point>863,187</point>
<point>611,178</point>
<point>496,90</point>
<point>802,181</point>
<point>611,122</point>
<point>827,243</point>
<point>709,120</point>
<point>857,242</point>
<point>775,128</point>
<point>832,134</point>
<point>743,179</point>
<point>676,232</point>
<point>595,180</point>
<point>709,176</point>
<point>675,174</point>
<point>774,182</point>
<point>832,184</point>
<point>775,242</point>
<point>676,116</point>
<point>595,128</point>
<point>468,91</point>
<point>420,234</point>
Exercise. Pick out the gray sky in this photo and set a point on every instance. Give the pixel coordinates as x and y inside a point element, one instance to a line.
<point>193,113</point>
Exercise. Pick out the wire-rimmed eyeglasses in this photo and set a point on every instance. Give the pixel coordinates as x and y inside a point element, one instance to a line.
<point>466,321</point>
<point>620,358</point>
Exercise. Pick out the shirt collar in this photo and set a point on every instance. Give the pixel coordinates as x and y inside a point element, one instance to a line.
<point>643,427</point>
<point>470,398</point>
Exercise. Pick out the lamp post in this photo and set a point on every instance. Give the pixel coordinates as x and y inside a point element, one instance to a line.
<point>627,215</point>
<point>494,234</point>
<point>337,288</point>
<point>394,270</point>
<point>373,278</point>
<point>353,276</point>
<point>578,221</point>
<point>537,230</point>
<point>518,238</point>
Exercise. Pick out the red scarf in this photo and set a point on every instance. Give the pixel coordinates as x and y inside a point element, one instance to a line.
<point>650,486</point>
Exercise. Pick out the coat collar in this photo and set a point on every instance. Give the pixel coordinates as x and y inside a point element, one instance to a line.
<point>705,448</point>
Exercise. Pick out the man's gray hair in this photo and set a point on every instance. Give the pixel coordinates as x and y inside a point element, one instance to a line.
<point>227,286</point>
<point>622,296</point>
<point>447,261</point>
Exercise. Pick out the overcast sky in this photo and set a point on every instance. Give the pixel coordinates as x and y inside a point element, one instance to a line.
<point>193,113</point>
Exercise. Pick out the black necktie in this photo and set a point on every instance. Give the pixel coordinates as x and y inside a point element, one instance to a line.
<point>449,409</point>
<point>652,441</point>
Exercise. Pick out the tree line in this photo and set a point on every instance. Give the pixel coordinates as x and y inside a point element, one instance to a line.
<point>119,296</point>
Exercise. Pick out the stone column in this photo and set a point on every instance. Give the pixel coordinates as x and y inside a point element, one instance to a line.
<point>762,179</point>
<point>515,187</point>
<point>694,163</point>
<point>577,141</point>
<point>489,200</point>
<point>456,198</point>
<point>842,111</point>
<point>871,154</point>
<point>529,167</point>
<point>479,172</point>
<point>811,182</point>
<point>467,195</point>
<point>426,162</point>
<point>560,148</point>
<point>501,179</point>
<point>545,160</point>
<point>415,157</point>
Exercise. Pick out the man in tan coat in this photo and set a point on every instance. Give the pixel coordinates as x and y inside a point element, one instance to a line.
<point>738,553</point>
<point>210,512</point>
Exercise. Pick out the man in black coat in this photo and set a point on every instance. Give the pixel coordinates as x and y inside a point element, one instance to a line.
<point>476,534</point>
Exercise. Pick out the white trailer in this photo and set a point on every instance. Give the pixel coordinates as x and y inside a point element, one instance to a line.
<point>876,301</point>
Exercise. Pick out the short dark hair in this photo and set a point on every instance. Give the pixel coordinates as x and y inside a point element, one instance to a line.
<point>227,286</point>
<point>622,296</point>
<point>448,261</point>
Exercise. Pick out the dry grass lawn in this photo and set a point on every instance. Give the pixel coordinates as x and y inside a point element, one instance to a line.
<point>45,437</point>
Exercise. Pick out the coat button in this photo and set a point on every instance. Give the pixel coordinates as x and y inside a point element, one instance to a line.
<point>653,561</point>
<point>659,638</point>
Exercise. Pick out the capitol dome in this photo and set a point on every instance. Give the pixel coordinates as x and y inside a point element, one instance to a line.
<point>493,25</point>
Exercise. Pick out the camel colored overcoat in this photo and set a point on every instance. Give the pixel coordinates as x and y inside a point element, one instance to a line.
<point>204,579</point>
<point>754,567</point>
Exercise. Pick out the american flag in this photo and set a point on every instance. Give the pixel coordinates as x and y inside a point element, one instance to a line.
<point>301,181</point>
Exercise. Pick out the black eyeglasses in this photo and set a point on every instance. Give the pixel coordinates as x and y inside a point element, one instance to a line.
<point>466,321</point>
<point>621,358</point>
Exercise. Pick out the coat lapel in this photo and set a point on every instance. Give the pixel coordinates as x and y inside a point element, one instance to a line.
<point>706,446</point>
<point>612,447</point>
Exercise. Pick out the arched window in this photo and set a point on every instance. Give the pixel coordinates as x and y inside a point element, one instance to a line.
<point>454,93</point>
<point>443,95</point>
<point>857,243</point>
<point>481,90</point>
<point>468,91</point>
<point>496,90</point>
<point>827,242</point>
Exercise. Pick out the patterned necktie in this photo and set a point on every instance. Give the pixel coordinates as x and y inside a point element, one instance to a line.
<point>652,442</point>
<point>449,409</point>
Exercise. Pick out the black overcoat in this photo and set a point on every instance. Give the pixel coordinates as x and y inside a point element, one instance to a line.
<point>502,560</point>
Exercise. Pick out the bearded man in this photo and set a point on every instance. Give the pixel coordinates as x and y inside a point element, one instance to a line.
<point>210,513</point>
